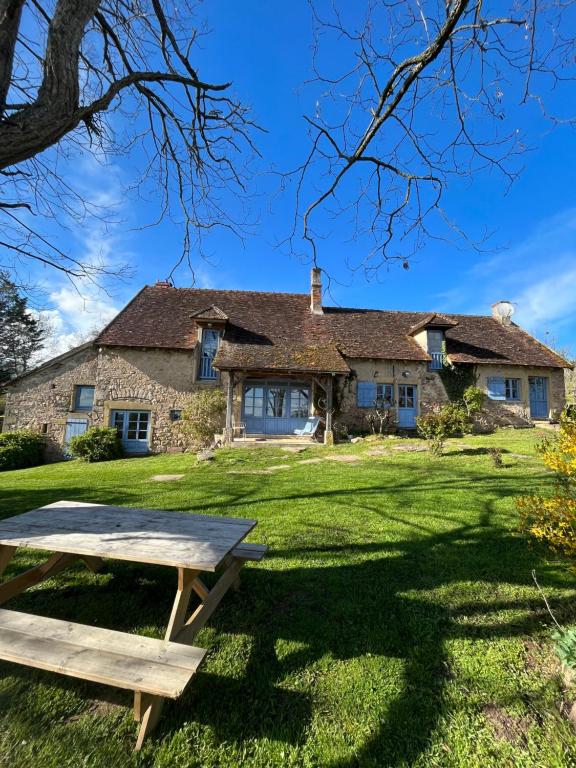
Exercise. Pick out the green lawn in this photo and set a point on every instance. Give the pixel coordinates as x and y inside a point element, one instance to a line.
<point>394,623</point>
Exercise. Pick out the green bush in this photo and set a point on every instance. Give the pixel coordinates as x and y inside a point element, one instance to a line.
<point>473,399</point>
<point>19,449</point>
<point>203,416</point>
<point>444,421</point>
<point>97,444</point>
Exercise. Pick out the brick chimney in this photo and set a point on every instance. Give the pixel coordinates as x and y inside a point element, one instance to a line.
<point>316,291</point>
<point>164,284</point>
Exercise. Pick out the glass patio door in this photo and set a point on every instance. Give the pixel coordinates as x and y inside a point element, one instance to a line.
<point>133,428</point>
<point>275,408</point>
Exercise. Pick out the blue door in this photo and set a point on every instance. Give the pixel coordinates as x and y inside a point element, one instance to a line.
<point>74,427</point>
<point>407,405</point>
<point>538,388</point>
<point>275,408</point>
<point>133,428</point>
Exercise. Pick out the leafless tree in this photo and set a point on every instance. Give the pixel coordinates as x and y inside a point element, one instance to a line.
<point>67,68</point>
<point>422,92</point>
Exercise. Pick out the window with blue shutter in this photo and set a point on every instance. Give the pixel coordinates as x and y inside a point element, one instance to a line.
<point>512,389</point>
<point>497,388</point>
<point>365,394</point>
<point>384,395</point>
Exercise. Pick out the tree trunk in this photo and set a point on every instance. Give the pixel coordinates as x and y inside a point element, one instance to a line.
<point>55,112</point>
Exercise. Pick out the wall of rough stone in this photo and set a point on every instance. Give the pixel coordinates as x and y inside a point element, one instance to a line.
<point>154,380</point>
<point>162,380</point>
<point>517,414</point>
<point>431,390</point>
<point>44,400</point>
<point>430,387</point>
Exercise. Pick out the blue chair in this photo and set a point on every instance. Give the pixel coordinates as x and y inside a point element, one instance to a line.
<point>309,429</point>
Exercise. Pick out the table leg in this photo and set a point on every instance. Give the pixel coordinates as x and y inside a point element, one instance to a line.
<point>93,564</point>
<point>149,708</point>
<point>209,603</point>
<point>186,586</point>
<point>58,562</point>
<point>6,555</point>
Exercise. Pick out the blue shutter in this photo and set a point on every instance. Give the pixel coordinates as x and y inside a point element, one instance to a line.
<point>496,388</point>
<point>365,394</point>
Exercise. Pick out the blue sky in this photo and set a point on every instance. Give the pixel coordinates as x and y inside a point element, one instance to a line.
<point>266,49</point>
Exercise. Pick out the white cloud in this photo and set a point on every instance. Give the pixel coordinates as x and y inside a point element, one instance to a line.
<point>537,274</point>
<point>76,311</point>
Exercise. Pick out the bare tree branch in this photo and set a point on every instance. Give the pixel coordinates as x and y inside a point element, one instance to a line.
<point>422,92</point>
<point>58,84</point>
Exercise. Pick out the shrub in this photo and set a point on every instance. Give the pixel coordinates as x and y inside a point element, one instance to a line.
<point>496,456</point>
<point>552,519</point>
<point>441,422</point>
<point>97,444</point>
<point>565,642</point>
<point>473,399</point>
<point>203,416</point>
<point>456,419</point>
<point>20,449</point>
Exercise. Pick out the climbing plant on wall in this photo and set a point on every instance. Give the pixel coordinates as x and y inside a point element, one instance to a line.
<point>456,379</point>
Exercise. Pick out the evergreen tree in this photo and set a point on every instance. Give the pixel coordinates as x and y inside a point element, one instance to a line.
<point>21,334</point>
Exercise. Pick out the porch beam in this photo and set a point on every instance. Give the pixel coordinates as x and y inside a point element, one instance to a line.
<point>328,434</point>
<point>230,407</point>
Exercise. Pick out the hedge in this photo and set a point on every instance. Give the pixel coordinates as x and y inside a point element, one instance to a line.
<point>20,449</point>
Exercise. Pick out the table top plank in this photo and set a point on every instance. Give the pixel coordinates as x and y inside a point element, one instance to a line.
<point>124,533</point>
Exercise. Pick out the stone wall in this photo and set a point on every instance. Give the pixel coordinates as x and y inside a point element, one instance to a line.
<point>155,380</point>
<point>431,390</point>
<point>430,387</point>
<point>161,381</point>
<point>517,414</point>
<point>44,400</point>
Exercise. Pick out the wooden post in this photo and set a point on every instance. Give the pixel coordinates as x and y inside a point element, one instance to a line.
<point>230,408</point>
<point>328,434</point>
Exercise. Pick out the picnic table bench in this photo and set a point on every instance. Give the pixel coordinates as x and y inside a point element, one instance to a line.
<point>154,669</point>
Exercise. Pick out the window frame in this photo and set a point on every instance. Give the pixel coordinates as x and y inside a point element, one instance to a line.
<point>510,384</point>
<point>379,389</point>
<point>504,387</point>
<point>76,407</point>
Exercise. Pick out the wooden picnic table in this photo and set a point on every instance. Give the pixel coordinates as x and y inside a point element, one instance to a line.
<point>153,669</point>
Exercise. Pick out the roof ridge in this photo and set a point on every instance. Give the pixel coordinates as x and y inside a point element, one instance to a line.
<point>230,290</point>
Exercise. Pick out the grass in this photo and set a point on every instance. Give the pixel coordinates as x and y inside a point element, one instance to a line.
<point>394,623</point>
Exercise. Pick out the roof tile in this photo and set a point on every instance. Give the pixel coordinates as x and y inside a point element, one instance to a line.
<point>278,329</point>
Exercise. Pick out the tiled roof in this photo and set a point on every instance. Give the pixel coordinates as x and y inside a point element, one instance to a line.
<point>276,328</point>
<point>286,356</point>
<point>209,313</point>
<point>434,320</point>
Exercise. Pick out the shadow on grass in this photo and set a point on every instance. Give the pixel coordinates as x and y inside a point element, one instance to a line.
<point>373,601</point>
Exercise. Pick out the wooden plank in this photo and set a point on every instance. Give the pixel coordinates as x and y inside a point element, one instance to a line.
<point>138,535</point>
<point>150,719</point>
<point>51,567</point>
<point>6,555</point>
<point>94,564</point>
<point>156,667</point>
<point>180,608</point>
<point>209,605</point>
<point>246,551</point>
<point>98,638</point>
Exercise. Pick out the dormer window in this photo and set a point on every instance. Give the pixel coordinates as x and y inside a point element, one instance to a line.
<point>210,341</point>
<point>435,348</point>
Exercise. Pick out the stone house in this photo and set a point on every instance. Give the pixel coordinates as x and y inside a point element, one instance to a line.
<point>280,357</point>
